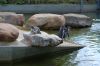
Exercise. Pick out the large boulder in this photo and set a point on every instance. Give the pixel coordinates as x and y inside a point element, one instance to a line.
<point>8,32</point>
<point>42,40</point>
<point>46,21</point>
<point>78,20</point>
<point>12,18</point>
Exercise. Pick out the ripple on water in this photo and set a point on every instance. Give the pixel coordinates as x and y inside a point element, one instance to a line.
<point>89,63</point>
<point>90,55</point>
<point>95,28</point>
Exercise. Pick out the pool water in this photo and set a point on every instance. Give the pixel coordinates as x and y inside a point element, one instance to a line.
<point>88,56</point>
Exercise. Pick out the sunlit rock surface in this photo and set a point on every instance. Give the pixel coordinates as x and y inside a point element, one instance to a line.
<point>8,32</point>
<point>46,21</point>
<point>78,20</point>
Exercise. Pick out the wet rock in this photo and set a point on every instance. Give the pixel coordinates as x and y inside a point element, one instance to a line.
<point>78,20</point>
<point>12,18</point>
<point>41,39</point>
<point>8,32</point>
<point>46,21</point>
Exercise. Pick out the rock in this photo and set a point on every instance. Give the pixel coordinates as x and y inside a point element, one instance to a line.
<point>1,19</point>
<point>8,32</point>
<point>46,21</point>
<point>12,18</point>
<point>21,19</point>
<point>78,20</point>
<point>42,40</point>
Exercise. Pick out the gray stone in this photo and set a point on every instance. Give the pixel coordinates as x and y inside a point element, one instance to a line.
<point>11,53</point>
<point>42,40</point>
<point>46,21</point>
<point>78,20</point>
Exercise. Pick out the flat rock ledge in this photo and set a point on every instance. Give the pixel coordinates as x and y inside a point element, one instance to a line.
<point>19,50</point>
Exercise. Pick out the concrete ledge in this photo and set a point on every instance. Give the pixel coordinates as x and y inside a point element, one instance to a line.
<point>48,8</point>
<point>13,53</point>
<point>19,50</point>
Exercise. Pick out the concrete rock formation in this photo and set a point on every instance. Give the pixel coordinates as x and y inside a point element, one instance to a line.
<point>46,21</point>
<point>12,18</point>
<point>77,20</point>
<point>8,32</point>
<point>42,40</point>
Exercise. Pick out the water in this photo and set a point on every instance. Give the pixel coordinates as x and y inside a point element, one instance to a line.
<point>88,56</point>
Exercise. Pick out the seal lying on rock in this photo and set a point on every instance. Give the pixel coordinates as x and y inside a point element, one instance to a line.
<point>41,39</point>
